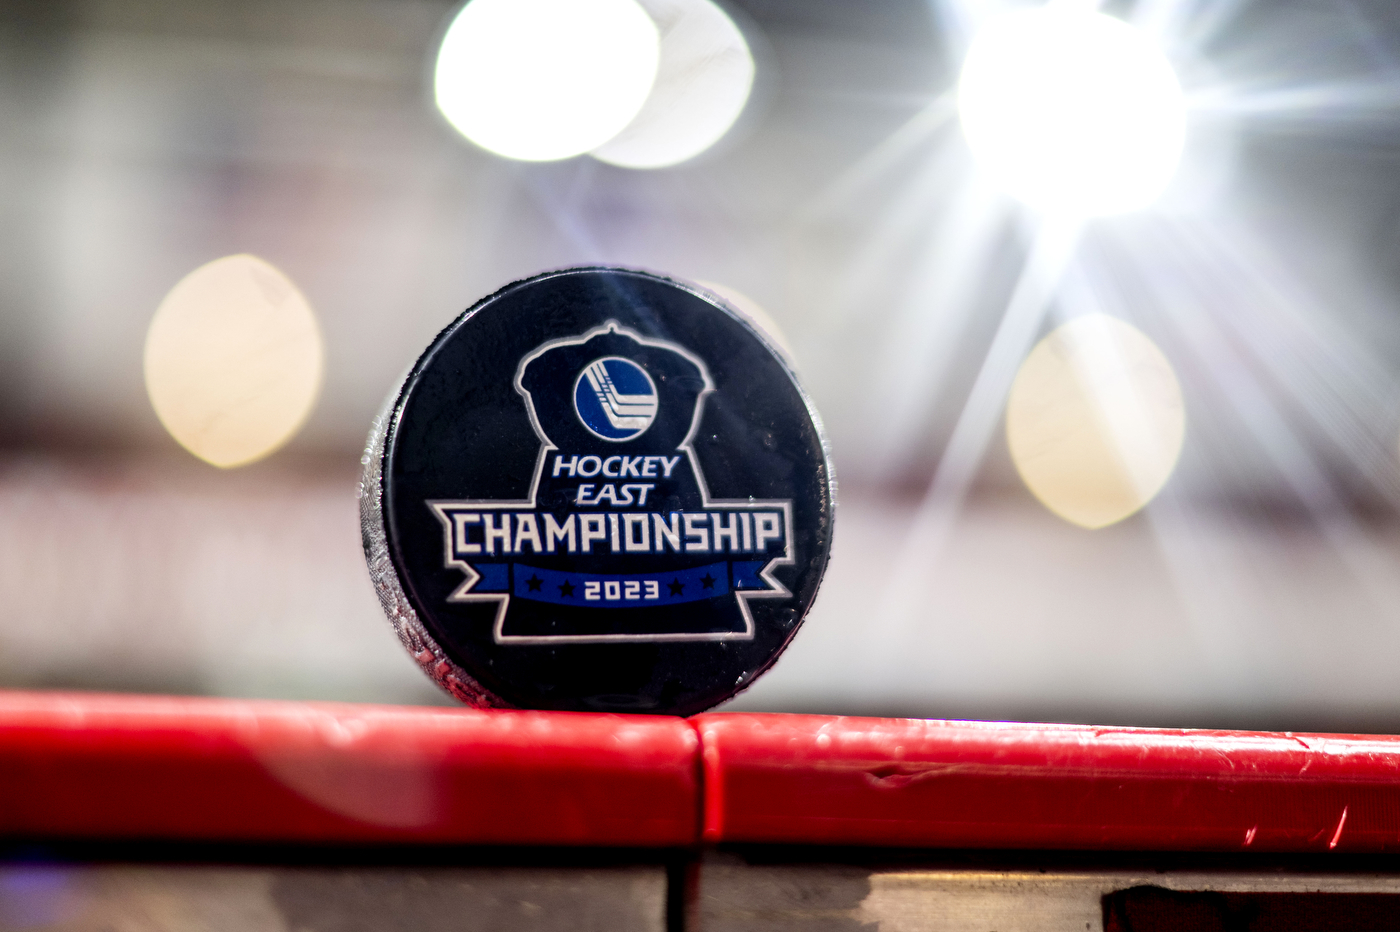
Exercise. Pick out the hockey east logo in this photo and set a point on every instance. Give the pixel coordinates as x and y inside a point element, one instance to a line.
<point>618,538</point>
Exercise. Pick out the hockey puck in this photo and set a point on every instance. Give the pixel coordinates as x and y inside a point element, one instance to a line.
<point>598,490</point>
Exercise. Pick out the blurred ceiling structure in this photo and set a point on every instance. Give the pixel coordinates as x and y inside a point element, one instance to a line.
<point>145,138</point>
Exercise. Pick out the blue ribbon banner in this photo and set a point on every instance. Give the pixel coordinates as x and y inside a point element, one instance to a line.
<point>631,590</point>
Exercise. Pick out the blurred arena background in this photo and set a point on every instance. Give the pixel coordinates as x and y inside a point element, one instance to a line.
<point>1261,588</point>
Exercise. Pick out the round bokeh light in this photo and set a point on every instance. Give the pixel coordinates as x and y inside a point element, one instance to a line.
<point>702,85</point>
<point>540,80</point>
<point>234,360</point>
<point>1095,420</point>
<point>1072,112</point>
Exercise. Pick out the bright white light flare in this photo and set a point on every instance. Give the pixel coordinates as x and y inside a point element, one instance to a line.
<point>702,85</point>
<point>234,360</point>
<point>1072,112</point>
<point>1095,420</point>
<point>539,80</point>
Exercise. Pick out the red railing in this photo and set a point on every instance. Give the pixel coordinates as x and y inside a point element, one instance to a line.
<point>98,766</point>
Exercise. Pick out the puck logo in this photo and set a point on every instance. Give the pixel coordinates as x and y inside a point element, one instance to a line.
<point>619,538</point>
<point>615,398</point>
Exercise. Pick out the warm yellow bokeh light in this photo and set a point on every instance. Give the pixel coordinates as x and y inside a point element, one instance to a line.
<point>760,318</point>
<point>1095,420</point>
<point>234,360</point>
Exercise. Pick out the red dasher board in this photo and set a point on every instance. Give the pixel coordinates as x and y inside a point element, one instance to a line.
<point>903,782</point>
<point>157,768</point>
<point>168,814</point>
<point>176,769</point>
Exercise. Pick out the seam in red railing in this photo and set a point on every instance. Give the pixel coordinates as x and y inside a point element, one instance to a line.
<point>710,786</point>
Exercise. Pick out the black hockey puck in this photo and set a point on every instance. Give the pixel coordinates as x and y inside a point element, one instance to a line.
<point>601,490</point>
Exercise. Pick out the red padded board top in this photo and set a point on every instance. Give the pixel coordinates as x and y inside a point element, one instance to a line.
<point>90,766</point>
<point>103,767</point>
<point>818,780</point>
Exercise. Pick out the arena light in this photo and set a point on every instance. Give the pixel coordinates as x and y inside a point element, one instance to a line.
<point>1095,420</point>
<point>540,80</point>
<point>1071,111</point>
<point>233,360</point>
<point>702,85</point>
